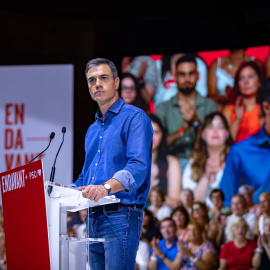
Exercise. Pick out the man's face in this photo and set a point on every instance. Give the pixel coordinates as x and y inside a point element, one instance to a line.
<point>168,230</point>
<point>216,199</point>
<point>186,77</point>
<point>238,206</point>
<point>102,86</point>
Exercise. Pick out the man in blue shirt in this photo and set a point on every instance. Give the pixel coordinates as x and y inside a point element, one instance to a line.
<point>165,250</point>
<point>118,148</point>
<point>248,162</point>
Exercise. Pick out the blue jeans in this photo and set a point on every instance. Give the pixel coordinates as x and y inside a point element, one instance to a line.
<point>121,230</point>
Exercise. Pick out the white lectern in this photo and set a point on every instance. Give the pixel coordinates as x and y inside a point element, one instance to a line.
<point>64,253</point>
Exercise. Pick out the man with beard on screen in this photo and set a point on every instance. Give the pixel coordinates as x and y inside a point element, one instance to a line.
<point>182,114</point>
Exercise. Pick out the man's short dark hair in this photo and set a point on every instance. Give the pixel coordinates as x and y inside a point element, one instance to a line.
<point>187,58</point>
<point>100,61</point>
<point>217,190</point>
<point>168,219</point>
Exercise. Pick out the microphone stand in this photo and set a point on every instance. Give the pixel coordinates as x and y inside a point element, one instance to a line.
<point>53,167</point>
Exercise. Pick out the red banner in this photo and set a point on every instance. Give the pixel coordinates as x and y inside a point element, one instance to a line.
<point>25,219</point>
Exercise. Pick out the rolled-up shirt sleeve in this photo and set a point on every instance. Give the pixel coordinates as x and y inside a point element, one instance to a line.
<point>139,135</point>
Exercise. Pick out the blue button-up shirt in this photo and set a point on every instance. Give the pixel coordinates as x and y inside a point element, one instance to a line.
<point>170,252</point>
<point>248,162</point>
<point>120,147</point>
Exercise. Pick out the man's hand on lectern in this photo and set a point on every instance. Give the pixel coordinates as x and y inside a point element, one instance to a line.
<point>94,192</point>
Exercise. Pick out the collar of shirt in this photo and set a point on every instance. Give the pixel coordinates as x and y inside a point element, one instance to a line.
<point>115,108</point>
<point>200,100</point>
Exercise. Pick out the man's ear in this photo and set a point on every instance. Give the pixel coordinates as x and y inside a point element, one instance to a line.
<point>117,82</point>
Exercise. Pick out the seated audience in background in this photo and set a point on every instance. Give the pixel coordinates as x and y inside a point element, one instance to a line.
<point>248,161</point>
<point>261,258</point>
<point>166,249</point>
<point>165,168</point>
<point>82,226</point>
<point>195,253</point>
<point>143,67</point>
<point>238,252</point>
<point>200,214</point>
<point>243,110</point>
<point>187,199</point>
<point>222,71</point>
<point>73,218</point>
<point>72,231</point>
<point>183,113</point>
<point>181,219</point>
<point>247,191</point>
<point>204,169</point>
<point>263,211</point>
<point>239,209</point>
<point>157,204</point>
<point>150,227</point>
<point>130,91</point>
<point>3,257</point>
<point>143,255</point>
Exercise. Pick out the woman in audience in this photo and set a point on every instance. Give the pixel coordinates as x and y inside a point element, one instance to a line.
<point>157,204</point>
<point>238,253</point>
<point>262,211</point>
<point>261,258</point>
<point>181,219</point>
<point>166,169</point>
<point>204,168</point>
<point>150,227</point>
<point>222,72</point>
<point>196,253</point>
<point>130,91</point>
<point>200,214</point>
<point>243,110</point>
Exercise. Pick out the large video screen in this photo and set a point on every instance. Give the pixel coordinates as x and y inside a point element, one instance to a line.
<point>181,99</point>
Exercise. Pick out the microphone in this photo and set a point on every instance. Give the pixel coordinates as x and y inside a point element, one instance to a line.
<point>51,137</point>
<point>53,167</point>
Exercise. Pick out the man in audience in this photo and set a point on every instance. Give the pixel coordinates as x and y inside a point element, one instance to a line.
<point>239,209</point>
<point>183,113</point>
<point>165,249</point>
<point>248,161</point>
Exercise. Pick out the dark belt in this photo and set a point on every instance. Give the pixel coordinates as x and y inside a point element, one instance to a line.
<point>112,207</point>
